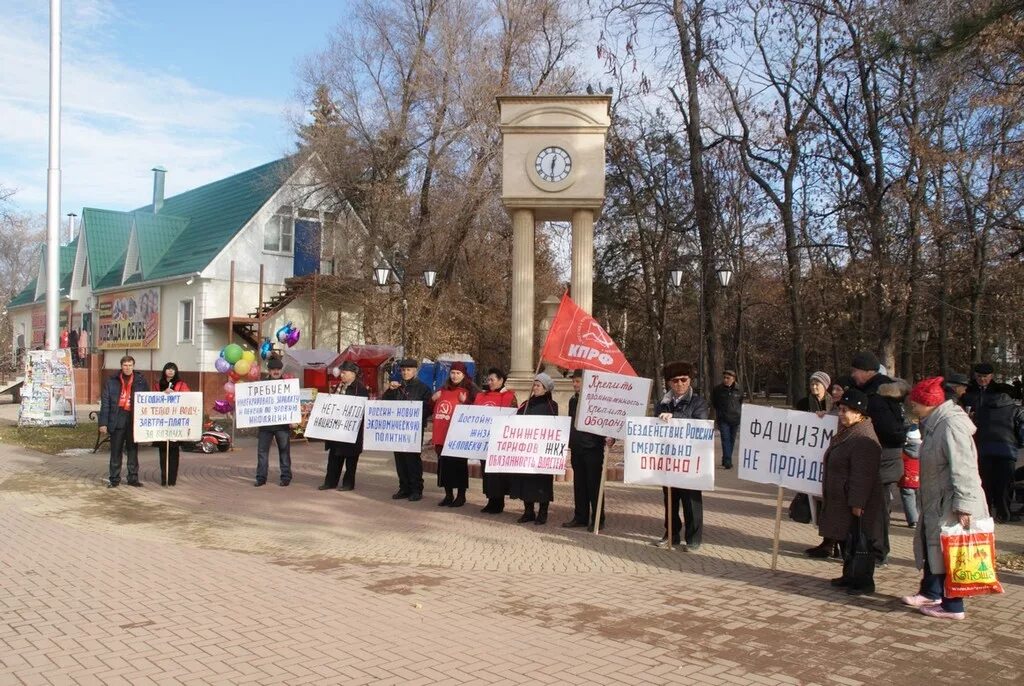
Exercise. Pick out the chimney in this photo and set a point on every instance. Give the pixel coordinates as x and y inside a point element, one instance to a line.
<point>158,188</point>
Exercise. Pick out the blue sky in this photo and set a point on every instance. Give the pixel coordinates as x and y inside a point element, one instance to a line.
<point>204,88</point>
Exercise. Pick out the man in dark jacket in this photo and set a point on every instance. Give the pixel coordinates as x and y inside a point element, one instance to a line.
<point>409,466</point>
<point>281,433</point>
<point>1000,423</point>
<point>587,454</point>
<point>117,404</point>
<point>887,417</point>
<point>727,400</point>
<point>346,454</point>
<point>682,403</point>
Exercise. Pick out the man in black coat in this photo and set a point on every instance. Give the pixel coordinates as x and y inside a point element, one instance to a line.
<point>346,454</point>
<point>681,402</point>
<point>1000,422</point>
<point>409,466</point>
<point>117,405</point>
<point>587,453</point>
<point>727,400</point>
<point>887,417</point>
<point>279,433</point>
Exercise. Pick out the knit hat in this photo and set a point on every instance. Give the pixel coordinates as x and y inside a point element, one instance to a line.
<point>984,368</point>
<point>545,381</point>
<point>822,378</point>
<point>729,372</point>
<point>674,369</point>
<point>459,367</point>
<point>855,400</point>
<point>275,363</point>
<point>865,361</point>
<point>928,392</point>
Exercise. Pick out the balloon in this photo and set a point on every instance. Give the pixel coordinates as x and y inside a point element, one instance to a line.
<point>254,373</point>
<point>282,333</point>
<point>242,367</point>
<point>222,406</point>
<point>232,352</point>
<point>233,375</point>
<point>222,365</point>
<point>336,372</point>
<point>293,338</point>
<point>266,348</point>
<point>249,355</point>
<point>230,397</point>
<point>229,387</point>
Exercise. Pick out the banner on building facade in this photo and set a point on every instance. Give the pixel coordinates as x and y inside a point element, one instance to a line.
<point>162,416</point>
<point>48,394</point>
<point>784,447</point>
<point>267,403</point>
<point>679,453</point>
<point>129,320</point>
<point>528,444</point>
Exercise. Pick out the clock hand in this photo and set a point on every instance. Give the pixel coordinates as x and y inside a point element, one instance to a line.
<point>552,165</point>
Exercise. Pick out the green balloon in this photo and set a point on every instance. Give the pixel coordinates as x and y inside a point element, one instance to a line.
<point>232,352</point>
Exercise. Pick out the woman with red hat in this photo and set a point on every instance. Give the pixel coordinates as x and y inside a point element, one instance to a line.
<point>452,472</point>
<point>950,491</point>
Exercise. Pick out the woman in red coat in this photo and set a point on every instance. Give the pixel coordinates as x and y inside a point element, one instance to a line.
<point>496,395</point>
<point>452,472</point>
<point>170,382</point>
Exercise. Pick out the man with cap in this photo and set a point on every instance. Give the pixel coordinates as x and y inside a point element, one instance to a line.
<point>727,401</point>
<point>409,466</point>
<point>281,433</point>
<point>346,454</point>
<point>586,451</point>
<point>885,409</point>
<point>1000,423</point>
<point>681,402</point>
<point>955,386</point>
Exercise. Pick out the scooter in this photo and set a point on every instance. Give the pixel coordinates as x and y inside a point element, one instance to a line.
<point>214,439</point>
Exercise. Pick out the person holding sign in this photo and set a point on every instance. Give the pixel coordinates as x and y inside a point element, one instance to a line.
<point>115,418</point>
<point>409,466</point>
<point>346,454</point>
<point>536,488</point>
<point>682,403</point>
<point>852,502</point>
<point>170,452</point>
<point>452,472</point>
<point>587,454</point>
<point>281,433</point>
<point>495,395</point>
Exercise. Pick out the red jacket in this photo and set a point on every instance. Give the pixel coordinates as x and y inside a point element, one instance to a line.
<point>445,401</point>
<point>506,397</point>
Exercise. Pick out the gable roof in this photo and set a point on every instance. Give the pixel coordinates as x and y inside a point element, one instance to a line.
<point>106,245</point>
<point>27,295</point>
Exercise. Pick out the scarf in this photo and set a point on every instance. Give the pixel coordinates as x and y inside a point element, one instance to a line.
<point>125,400</point>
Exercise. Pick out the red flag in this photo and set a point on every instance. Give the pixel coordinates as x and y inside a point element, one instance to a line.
<point>577,341</point>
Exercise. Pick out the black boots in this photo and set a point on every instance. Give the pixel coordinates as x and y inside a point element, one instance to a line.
<point>448,498</point>
<point>542,516</point>
<point>528,514</point>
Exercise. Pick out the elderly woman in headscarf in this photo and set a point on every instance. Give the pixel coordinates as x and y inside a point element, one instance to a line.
<point>536,488</point>
<point>950,491</point>
<point>852,490</point>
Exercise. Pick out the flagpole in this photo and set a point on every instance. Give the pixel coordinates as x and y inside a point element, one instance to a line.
<point>53,187</point>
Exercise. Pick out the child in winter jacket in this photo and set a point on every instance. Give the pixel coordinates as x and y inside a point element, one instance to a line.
<point>911,479</point>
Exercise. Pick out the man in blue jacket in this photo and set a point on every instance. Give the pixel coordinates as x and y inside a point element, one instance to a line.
<point>117,403</point>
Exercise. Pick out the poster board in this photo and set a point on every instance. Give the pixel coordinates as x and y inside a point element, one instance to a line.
<point>159,416</point>
<point>528,444</point>
<point>336,417</point>
<point>267,403</point>
<point>784,447</point>
<point>679,453</point>
<point>48,394</point>
<point>470,430</point>
<point>393,426</point>
<point>608,400</point>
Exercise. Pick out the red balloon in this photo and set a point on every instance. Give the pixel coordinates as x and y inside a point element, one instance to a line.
<point>230,397</point>
<point>233,376</point>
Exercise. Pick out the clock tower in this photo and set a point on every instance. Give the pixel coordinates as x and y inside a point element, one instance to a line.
<point>552,170</point>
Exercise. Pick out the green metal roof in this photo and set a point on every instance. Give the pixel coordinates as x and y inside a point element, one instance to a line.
<point>156,233</point>
<point>27,295</point>
<point>106,242</point>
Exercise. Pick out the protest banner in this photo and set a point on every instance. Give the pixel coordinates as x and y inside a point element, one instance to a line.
<point>266,403</point>
<point>679,453</point>
<point>577,341</point>
<point>168,417</point>
<point>393,426</point>
<point>528,444</point>
<point>336,417</point>
<point>786,448</point>
<point>470,430</point>
<point>607,400</point>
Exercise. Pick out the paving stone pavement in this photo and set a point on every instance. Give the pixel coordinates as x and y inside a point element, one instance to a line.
<point>214,581</point>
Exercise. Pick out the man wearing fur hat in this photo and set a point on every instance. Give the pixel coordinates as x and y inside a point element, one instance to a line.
<point>680,402</point>
<point>885,408</point>
<point>345,454</point>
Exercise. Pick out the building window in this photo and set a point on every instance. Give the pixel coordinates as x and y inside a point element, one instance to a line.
<point>279,232</point>
<point>187,321</point>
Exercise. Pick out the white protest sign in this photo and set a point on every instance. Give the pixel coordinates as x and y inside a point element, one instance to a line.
<point>168,417</point>
<point>393,425</point>
<point>528,444</point>
<point>336,417</point>
<point>607,400</point>
<point>470,430</point>
<point>679,453</point>
<point>784,447</point>
<point>267,403</point>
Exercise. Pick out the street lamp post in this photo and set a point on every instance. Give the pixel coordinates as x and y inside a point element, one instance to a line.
<point>724,272</point>
<point>382,274</point>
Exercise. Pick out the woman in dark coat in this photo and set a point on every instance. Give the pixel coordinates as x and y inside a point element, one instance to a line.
<point>170,451</point>
<point>345,454</point>
<point>495,395</point>
<point>536,488</point>
<point>852,489</point>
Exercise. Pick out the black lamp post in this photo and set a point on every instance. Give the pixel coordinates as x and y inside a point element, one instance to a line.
<point>382,274</point>
<point>724,272</point>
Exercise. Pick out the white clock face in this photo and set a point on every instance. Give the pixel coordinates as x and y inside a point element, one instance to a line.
<point>553,164</point>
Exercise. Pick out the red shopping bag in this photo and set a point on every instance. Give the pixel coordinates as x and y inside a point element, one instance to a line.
<point>970,557</point>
